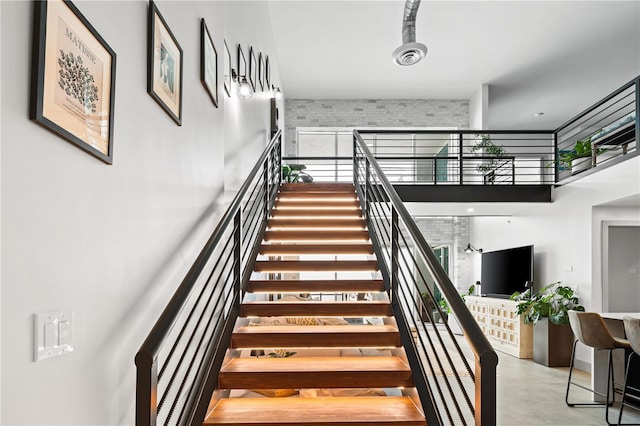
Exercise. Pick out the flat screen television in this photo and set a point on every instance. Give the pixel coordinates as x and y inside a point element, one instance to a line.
<point>504,272</point>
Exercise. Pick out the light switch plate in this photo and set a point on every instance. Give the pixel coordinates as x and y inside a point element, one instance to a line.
<point>52,334</point>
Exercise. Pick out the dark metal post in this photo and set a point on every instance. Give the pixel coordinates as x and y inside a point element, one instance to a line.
<point>460,147</point>
<point>237,255</point>
<point>367,187</point>
<point>513,171</point>
<point>146,390</point>
<point>637,110</point>
<point>486,389</point>
<point>395,249</point>
<point>267,186</point>
<point>555,157</point>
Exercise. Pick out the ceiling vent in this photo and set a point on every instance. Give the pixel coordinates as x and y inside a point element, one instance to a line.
<point>410,52</point>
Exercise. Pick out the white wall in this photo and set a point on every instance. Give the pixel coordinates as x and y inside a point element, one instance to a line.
<point>479,109</point>
<point>111,243</point>
<point>565,233</point>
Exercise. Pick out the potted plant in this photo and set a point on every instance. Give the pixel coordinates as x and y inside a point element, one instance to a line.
<point>293,173</point>
<point>579,158</point>
<point>548,311</point>
<point>488,148</point>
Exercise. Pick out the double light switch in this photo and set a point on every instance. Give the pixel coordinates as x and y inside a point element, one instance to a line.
<point>52,334</point>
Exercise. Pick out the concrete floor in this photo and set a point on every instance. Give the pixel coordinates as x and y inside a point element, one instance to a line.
<point>530,394</point>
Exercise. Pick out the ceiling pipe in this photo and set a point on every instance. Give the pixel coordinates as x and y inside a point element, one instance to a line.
<point>410,53</point>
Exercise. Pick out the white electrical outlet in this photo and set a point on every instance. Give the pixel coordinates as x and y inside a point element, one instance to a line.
<point>52,334</point>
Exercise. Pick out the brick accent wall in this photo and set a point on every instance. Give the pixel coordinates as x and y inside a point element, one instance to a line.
<point>372,113</point>
<point>452,231</point>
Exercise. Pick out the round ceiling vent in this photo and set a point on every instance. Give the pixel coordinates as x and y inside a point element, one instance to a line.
<point>409,54</point>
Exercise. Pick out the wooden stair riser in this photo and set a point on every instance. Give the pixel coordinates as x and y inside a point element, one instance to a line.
<point>343,336</point>
<point>308,309</point>
<point>315,372</point>
<point>320,235</point>
<point>316,265</point>
<point>318,187</point>
<point>297,195</point>
<point>326,411</point>
<point>315,286</point>
<point>312,203</point>
<point>316,223</point>
<point>310,213</point>
<point>311,249</point>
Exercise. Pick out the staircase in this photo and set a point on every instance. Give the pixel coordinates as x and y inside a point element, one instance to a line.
<point>329,324</point>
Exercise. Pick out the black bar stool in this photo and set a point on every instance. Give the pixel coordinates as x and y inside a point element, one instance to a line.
<point>632,331</point>
<point>591,330</point>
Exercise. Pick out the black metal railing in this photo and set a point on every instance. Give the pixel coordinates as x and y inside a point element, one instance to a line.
<point>178,362</point>
<point>436,157</point>
<point>602,135</point>
<point>463,157</point>
<point>450,391</point>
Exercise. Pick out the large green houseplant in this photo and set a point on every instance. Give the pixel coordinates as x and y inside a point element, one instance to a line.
<point>293,173</point>
<point>486,146</point>
<point>548,308</point>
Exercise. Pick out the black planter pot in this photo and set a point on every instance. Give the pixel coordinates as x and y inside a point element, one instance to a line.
<point>552,343</point>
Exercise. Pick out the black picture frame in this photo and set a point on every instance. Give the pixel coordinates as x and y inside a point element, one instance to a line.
<point>253,69</point>
<point>208,63</point>
<point>164,65</point>
<point>68,49</point>
<point>242,63</point>
<point>267,73</point>
<point>228,70</point>
<point>261,71</point>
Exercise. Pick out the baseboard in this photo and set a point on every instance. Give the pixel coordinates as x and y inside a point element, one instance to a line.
<point>582,365</point>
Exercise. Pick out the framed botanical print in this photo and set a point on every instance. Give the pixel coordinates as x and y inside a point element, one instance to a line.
<point>164,65</point>
<point>228,72</point>
<point>267,73</point>
<point>73,78</point>
<point>242,63</point>
<point>261,71</point>
<point>208,63</point>
<point>253,70</point>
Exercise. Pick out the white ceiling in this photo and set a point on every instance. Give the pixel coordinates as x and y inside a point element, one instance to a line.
<point>556,57</point>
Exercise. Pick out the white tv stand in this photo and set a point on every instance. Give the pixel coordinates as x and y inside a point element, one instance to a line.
<point>505,330</point>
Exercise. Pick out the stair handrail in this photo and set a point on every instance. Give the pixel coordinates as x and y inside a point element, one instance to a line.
<point>269,164</point>
<point>486,358</point>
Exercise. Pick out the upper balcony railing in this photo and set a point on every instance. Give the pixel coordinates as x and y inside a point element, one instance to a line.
<point>437,157</point>
<point>602,135</point>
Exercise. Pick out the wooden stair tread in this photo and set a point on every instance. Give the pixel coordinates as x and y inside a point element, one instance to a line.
<point>326,411</point>
<point>313,212</point>
<point>315,265</point>
<point>317,235</point>
<point>309,203</point>
<point>316,336</point>
<point>354,222</point>
<point>317,187</point>
<point>302,249</point>
<point>315,372</point>
<point>316,308</point>
<point>310,286</point>
<point>328,195</point>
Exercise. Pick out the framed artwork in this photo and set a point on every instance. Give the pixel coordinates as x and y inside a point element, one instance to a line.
<point>267,73</point>
<point>242,63</point>
<point>164,65</point>
<point>227,69</point>
<point>73,78</point>
<point>253,69</point>
<point>208,63</point>
<point>261,71</point>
